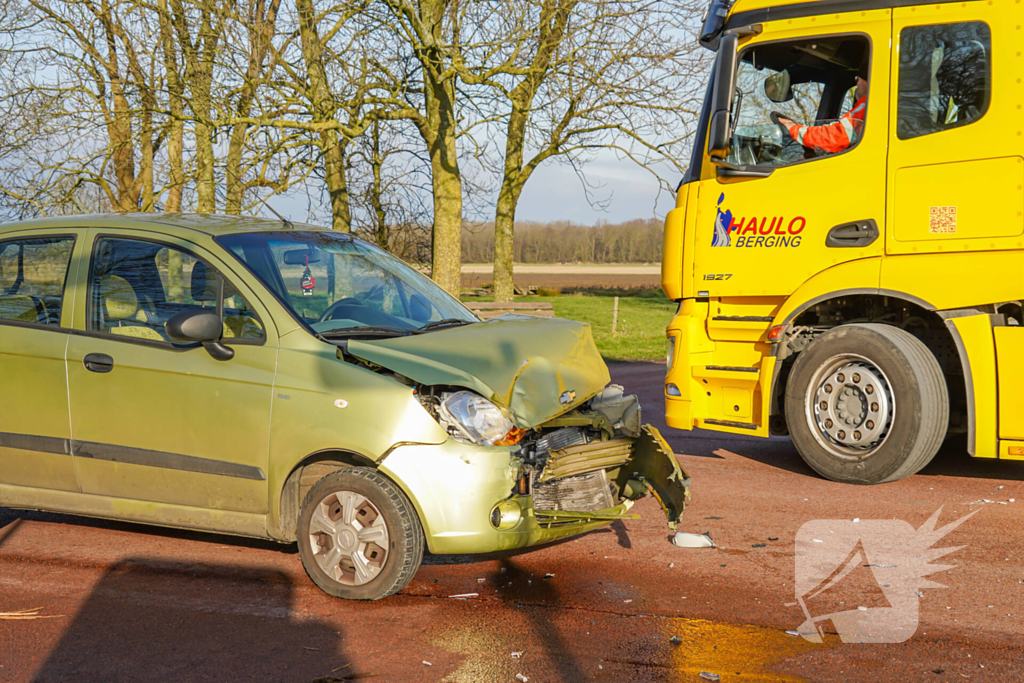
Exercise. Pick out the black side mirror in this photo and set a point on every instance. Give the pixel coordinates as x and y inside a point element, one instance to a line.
<point>200,325</point>
<point>719,127</point>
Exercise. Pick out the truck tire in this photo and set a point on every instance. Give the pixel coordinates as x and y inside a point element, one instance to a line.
<point>359,536</point>
<point>867,404</point>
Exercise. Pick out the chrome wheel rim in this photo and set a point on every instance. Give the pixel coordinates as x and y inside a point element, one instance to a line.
<point>850,406</point>
<point>349,538</point>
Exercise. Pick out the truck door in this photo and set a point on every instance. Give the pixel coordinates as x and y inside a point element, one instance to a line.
<point>823,200</point>
<point>956,181</point>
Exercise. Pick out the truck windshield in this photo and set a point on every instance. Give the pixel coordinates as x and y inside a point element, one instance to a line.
<point>797,100</point>
<point>339,285</point>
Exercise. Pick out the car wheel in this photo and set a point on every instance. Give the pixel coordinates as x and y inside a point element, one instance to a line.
<point>359,536</point>
<point>867,404</point>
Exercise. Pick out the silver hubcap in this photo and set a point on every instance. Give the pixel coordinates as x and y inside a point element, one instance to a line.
<point>851,407</point>
<point>349,538</point>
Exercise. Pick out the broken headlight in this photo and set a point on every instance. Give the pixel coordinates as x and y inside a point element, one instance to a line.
<point>471,418</point>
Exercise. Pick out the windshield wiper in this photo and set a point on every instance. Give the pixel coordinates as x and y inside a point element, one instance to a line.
<point>446,322</point>
<point>368,329</point>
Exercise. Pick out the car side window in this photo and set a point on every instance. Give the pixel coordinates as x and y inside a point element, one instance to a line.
<point>33,273</point>
<point>136,286</point>
<point>945,78</point>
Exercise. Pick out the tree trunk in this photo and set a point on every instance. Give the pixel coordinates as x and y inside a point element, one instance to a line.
<point>551,30</point>
<point>324,105</point>
<point>175,136</point>
<point>447,179</point>
<point>508,198</point>
<point>447,185</point>
<point>261,32</point>
<point>234,186</point>
<point>504,226</point>
<point>119,125</point>
<point>206,187</point>
<point>337,181</point>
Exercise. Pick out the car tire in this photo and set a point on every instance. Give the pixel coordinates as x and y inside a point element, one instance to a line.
<point>886,425</point>
<point>359,536</point>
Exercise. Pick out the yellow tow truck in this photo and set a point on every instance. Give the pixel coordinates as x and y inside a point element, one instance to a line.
<point>863,297</point>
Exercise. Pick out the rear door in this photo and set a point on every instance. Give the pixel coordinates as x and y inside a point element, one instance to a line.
<point>157,421</point>
<point>35,315</point>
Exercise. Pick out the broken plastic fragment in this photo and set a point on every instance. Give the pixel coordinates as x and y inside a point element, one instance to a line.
<point>686,540</point>
<point>427,663</point>
<point>792,633</point>
<point>675,640</point>
<point>464,595</point>
<point>518,655</point>
<point>708,676</point>
<point>549,576</point>
<point>521,677</point>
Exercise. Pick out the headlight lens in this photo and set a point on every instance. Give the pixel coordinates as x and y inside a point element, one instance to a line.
<point>476,419</point>
<point>671,355</point>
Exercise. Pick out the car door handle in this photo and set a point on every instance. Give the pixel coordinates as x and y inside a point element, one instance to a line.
<point>856,234</point>
<point>98,362</point>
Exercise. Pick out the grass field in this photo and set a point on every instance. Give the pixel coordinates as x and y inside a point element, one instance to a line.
<point>642,320</point>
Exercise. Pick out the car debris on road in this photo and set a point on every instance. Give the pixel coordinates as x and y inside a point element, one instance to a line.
<point>688,540</point>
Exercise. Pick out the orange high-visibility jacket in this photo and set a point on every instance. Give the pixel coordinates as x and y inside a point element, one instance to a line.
<point>836,136</point>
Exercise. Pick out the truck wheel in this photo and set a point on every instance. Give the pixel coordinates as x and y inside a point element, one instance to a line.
<point>359,536</point>
<point>867,404</point>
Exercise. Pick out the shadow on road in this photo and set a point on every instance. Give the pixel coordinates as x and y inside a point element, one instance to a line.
<point>517,585</point>
<point>154,620</point>
<point>952,460</point>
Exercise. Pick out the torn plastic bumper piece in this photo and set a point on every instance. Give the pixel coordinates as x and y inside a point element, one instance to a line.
<point>654,465</point>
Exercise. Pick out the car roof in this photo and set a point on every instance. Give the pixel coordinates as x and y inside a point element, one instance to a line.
<point>209,224</point>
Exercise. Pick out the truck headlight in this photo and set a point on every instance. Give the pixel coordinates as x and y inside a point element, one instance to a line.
<point>671,354</point>
<point>476,420</point>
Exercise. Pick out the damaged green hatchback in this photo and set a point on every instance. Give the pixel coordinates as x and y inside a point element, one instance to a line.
<point>242,376</point>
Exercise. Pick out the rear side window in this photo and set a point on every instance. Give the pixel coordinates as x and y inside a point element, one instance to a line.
<point>945,78</point>
<point>32,277</point>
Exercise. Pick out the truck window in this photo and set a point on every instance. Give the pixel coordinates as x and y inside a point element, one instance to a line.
<point>945,78</point>
<point>797,100</point>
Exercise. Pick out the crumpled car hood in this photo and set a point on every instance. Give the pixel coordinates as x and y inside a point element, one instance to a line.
<point>537,367</point>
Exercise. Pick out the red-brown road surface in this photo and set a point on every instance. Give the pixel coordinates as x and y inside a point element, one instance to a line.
<point>135,603</point>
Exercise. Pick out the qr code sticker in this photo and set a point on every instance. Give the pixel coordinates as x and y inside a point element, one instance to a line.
<point>942,220</point>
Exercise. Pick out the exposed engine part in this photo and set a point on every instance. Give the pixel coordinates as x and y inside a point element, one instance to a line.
<point>561,438</point>
<point>588,492</point>
<point>587,458</point>
<point>622,411</point>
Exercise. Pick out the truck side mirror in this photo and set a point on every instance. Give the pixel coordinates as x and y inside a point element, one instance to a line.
<point>719,127</point>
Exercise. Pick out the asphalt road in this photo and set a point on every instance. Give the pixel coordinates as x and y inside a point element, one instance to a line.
<point>133,603</point>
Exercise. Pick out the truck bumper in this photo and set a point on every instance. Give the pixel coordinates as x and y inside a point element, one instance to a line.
<point>721,370</point>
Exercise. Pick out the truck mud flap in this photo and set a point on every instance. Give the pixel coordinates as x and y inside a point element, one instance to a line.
<point>654,465</point>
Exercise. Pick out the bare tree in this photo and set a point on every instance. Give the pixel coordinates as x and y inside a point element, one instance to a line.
<point>575,76</point>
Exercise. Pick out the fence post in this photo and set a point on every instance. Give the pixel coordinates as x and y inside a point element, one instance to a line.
<point>615,315</point>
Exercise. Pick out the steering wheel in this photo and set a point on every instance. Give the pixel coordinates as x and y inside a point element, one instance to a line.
<point>775,116</point>
<point>347,301</point>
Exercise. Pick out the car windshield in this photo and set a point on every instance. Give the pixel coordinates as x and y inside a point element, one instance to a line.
<point>339,285</point>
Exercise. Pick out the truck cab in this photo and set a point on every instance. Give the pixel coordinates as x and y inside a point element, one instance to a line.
<point>847,247</point>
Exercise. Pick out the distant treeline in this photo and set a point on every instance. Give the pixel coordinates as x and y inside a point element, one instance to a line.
<point>636,241</point>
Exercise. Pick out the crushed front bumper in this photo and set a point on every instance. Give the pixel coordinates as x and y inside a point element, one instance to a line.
<point>455,488</point>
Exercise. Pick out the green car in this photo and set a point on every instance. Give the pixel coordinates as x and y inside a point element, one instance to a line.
<point>250,377</point>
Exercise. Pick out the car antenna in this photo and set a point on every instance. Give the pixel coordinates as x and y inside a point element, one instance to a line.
<point>284,221</point>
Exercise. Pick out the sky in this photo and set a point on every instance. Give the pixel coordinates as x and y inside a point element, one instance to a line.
<point>555,193</point>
